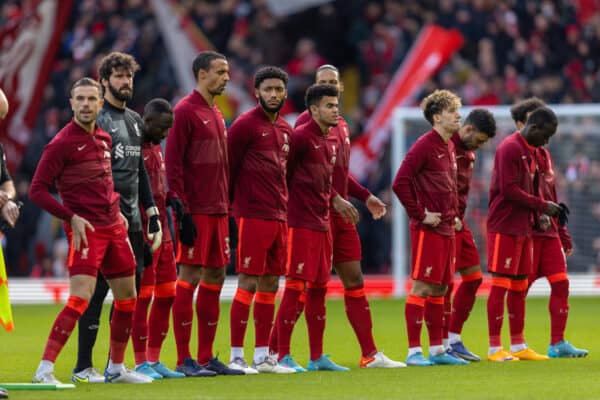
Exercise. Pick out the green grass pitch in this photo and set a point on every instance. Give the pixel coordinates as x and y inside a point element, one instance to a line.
<point>555,379</point>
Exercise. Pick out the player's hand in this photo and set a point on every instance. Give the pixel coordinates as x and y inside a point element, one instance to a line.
<point>552,209</point>
<point>568,252</point>
<point>125,221</point>
<point>148,257</point>
<point>563,214</point>
<point>544,223</point>
<point>10,212</point>
<point>432,218</point>
<point>344,207</point>
<point>3,198</point>
<point>458,225</point>
<point>154,229</point>
<point>376,207</point>
<point>187,230</point>
<point>177,206</point>
<point>78,226</point>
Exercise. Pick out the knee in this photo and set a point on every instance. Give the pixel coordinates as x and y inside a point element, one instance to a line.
<point>190,274</point>
<point>269,283</point>
<point>560,287</point>
<point>214,276</point>
<point>247,282</point>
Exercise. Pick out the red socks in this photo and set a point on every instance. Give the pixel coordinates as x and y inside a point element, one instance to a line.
<point>434,317</point>
<point>183,315</point>
<point>413,313</point>
<point>359,315</point>
<point>63,326</point>
<point>558,306</point>
<point>315,318</point>
<point>207,312</point>
<point>515,305</point>
<point>463,301</point>
<point>495,309</point>
<point>287,314</point>
<point>447,310</point>
<point>164,294</point>
<point>264,310</point>
<point>139,332</point>
<point>120,329</point>
<point>238,317</point>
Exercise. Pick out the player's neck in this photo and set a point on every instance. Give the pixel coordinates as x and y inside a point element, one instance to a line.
<point>324,127</point>
<point>271,115</point>
<point>89,128</point>
<point>208,97</point>
<point>443,133</point>
<point>113,101</point>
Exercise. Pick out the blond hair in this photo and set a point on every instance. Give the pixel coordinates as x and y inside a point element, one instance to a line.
<point>439,101</point>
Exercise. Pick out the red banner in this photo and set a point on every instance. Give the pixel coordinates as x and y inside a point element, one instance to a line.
<point>432,49</point>
<point>28,45</point>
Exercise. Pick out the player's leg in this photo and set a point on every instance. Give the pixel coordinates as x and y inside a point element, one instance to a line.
<point>140,329</point>
<point>238,319</point>
<point>214,257</point>
<point>81,289</point>
<point>164,295</point>
<point>462,304</point>
<point>188,277</point>
<point>83,269</point>
<point>87,332</point>
<point>515,302</point>
<point>315,305</point>
<point>554,267</point>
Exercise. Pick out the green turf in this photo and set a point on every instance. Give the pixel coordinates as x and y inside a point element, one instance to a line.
<point>556,379</point>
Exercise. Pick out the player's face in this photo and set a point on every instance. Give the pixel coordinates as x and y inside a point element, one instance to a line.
<point>448,120</point>
<point>217,76</point>
<point>85,103</point>
<point>475,140</point>
<point>156,128</point>
<point>271,94</point>
<point>329,77</point>
<point>540,136</point>
<point>120,84</point>
<point>327,111</point>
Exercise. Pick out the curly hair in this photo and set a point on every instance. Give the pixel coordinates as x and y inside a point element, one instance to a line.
<point>483,121</point>
<point>116,60</point>
<point>519,111</point>
<point>439,101</point>
<point>269,72</point>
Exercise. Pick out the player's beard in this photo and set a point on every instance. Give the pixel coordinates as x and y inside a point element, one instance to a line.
<point>117,94</point>
<point>268,108</point>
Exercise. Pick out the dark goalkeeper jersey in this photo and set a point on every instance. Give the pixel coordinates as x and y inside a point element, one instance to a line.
<point>129,174</point>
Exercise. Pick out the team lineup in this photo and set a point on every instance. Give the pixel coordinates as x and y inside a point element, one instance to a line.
<point>287,189</point>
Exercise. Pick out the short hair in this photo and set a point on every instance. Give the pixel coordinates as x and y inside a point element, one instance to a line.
<point>327,67</point>
<point>269,72</point>
<point>315,93</point>
<point>483,121</point>
<point>156,107</point>
<point>85,82</point>
<point>542,117</point>
<point>519,111</point>
<point>203,60</point>
<point>439,101</point>
<point>116,60</point>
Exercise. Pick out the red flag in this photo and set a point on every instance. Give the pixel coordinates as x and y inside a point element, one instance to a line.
<point>28,45</point>
<point>432,49</point>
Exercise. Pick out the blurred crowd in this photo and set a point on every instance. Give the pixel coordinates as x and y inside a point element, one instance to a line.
<point>513,49</point>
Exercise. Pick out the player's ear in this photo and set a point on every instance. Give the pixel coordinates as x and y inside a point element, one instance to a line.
<point>256,93</point>
<point>341,87</point>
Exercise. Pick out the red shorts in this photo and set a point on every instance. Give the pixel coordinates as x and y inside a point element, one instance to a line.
<point>346,243</point>
<point>211,248</point>
<point>109,251</point>
<point>548,258</point>
<point>163,268</point>
<point>432,256</point>
<point>466,251</point>
<point>309,255</point>
<point>262,246</point>
<point>509,254</point>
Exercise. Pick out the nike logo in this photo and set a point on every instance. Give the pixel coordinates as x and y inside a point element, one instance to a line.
<point>145,158</point>
<point>244,321</point>
<point>206,121</point>
<point>143,337</point>
<point>113,130</point>
<point>457,157</point>
<point>524,157</point>
<point>499,318</point>
<point>317,146</point>
<point>212,323</point>
<point>265,134</point>
<point>79,148</point>
<point>440,155</point>
<point>186,323</point>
